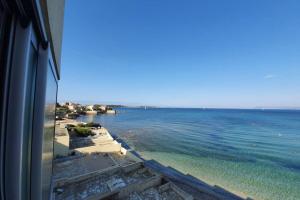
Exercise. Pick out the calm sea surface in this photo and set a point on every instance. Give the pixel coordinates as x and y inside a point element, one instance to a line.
<point>250,152</point>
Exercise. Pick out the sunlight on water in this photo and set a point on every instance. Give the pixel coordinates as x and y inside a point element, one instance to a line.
<point>255,180</point>
<point>249,152</point>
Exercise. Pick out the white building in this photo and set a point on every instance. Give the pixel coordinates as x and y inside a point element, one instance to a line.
<point>89,108</point>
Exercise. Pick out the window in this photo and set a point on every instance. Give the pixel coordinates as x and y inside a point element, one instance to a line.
<point>28,86</point>
<point>48,135</point>
<point>28,118</point>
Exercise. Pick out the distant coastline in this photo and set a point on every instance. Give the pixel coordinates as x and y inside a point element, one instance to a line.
<point>208,108</point>
<point>141,105</point>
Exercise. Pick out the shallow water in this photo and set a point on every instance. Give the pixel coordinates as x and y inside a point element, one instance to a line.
<point>254,153</point>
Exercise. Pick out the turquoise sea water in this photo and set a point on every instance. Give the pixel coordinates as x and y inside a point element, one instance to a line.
<point>253,153</point>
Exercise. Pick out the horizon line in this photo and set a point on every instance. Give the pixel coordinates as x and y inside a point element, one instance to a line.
<point>187,107</point>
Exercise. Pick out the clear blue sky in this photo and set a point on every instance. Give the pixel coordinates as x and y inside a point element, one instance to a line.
<point>201,53</point>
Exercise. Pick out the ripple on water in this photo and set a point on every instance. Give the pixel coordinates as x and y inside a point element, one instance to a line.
<point>258,180</point>
<point>246,151</point>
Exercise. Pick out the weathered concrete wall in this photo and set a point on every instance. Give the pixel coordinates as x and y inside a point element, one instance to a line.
<point>132,156</point>
<point>139,187</point>
<point>131,167</point>
<point>77,179</point>
<point>61,141</point>
<point>180,192</point>
<point>61,145</point>
<point>105,148</point>
<point>123,151</point>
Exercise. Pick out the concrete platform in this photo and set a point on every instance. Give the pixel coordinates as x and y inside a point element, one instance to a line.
<point>81,165</point>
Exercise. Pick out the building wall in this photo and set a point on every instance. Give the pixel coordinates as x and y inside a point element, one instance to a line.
<point>61,146</point>
<point>30,62</point>
<point>54,20</point>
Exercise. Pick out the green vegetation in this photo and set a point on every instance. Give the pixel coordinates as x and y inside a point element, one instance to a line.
<point>83,131</point>
<point>97,107</point>
<point>62,111</point>
<point>91,124</point>
<point>70,126</point>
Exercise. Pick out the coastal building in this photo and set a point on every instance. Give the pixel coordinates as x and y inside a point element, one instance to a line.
<point>91,112</point>
<point>111,111</point>
<point>30,51</point>
<point>101,108</point>
<point>70,106</point>
<point>90,108</point>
